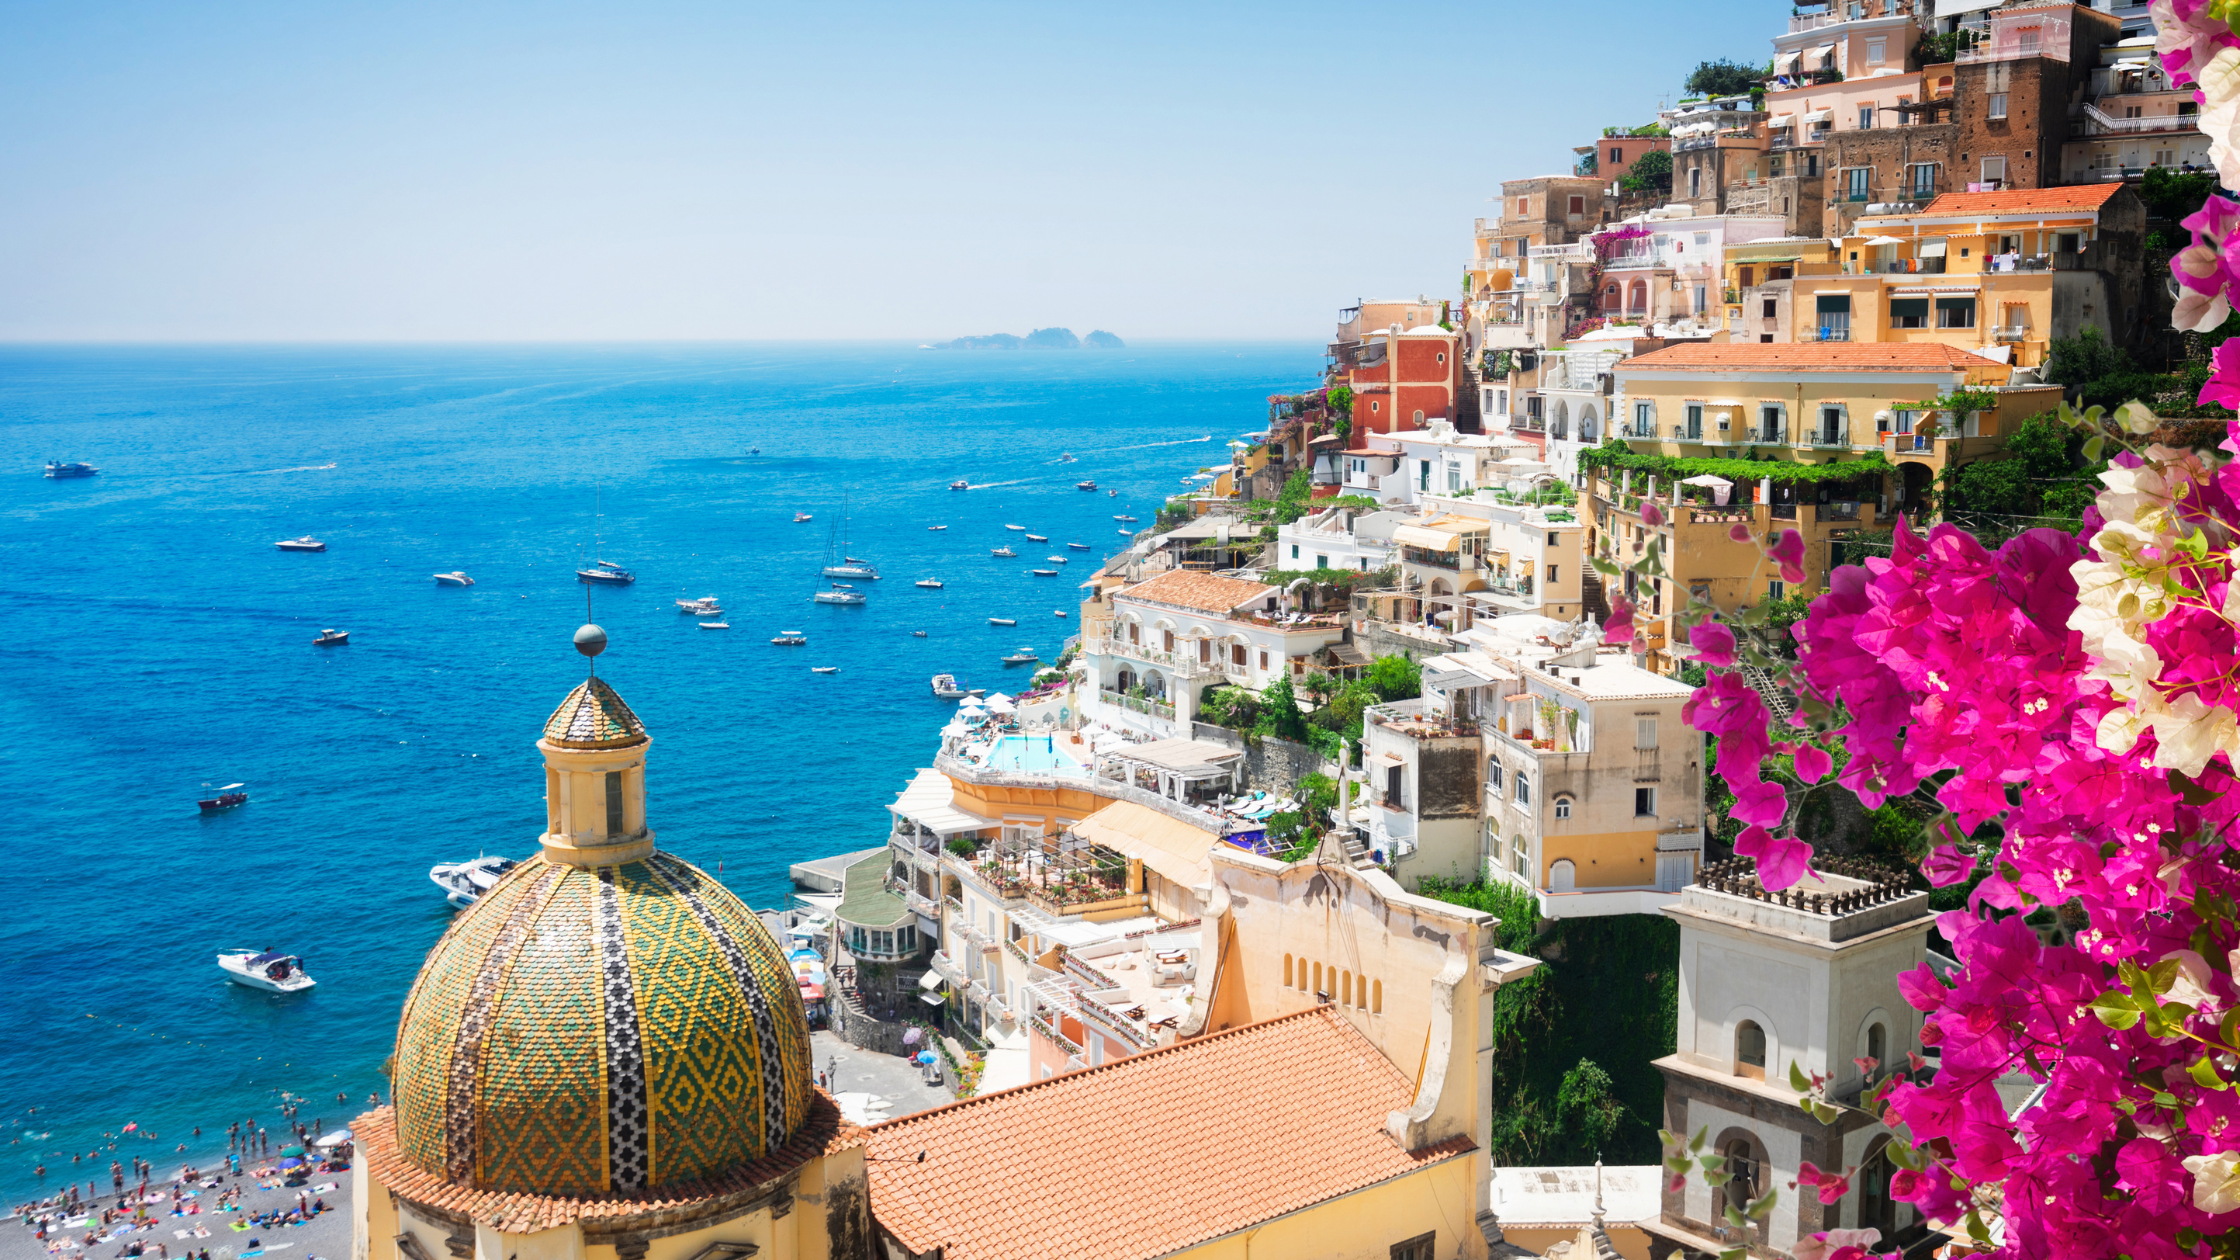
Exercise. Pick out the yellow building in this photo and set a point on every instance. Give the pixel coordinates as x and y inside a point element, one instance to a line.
<point>1760,281</point>
<point>1997,274</point>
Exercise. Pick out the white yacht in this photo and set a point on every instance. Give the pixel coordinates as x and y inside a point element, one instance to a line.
<point>838,595</point>
<point>456,577</point>
<point>264,969</point>
<point>705,606</point>
<point>945,687</point>
<point>462,882</point>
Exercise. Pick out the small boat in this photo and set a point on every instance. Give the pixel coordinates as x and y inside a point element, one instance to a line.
<point>960,484</point>
<point>59,471</point>
<point>1085,485</point>
<point>1128,532</point>
<point>228,797</point>
<point>976,693</point>
<point>1056,559</point>
<point>263,969</point>
<point>1112,494</point>
<point>790,638</point>
<point>608,572</point>
<point>1038,538</point>
<point>838,595</point>
<point>799,517</point>
<point>945,687</point>
<point>705,605</point>
<point>824,669</point>
<point>1065,457</point>
<point>754,450</point>
<point>331,638</point>
<point>1059,612</point>
<point>1078,546</point>
<point>1005,552</point>
<point>463,882</point>
<point>936,528</point>
<point>1003,621</point>
<point>1044,572</point>
<point>1016,529</point>
<point>930,584</point>
<point>715,625</point>
<point>917,634</point>
<point>454,578</point>
<point>1021,657</point>
<point>305,543</point>
<point>1127,519</point>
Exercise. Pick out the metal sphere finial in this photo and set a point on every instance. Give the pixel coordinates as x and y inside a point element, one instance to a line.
<point>591,640</point>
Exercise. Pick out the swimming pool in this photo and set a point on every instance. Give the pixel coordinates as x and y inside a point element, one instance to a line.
<point>1032,754</point>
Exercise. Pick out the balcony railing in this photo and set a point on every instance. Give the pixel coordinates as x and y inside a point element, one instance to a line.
<point>947,968</point>
<point>922,906</point>
<point>1837,435</point>
<point>1116,1022</point>
<point>1831,334</point>
<point>2099,122</point>
<point>2010,334</point>
<point>1687,433</point>
<point>1156,708</point>
<point>1042,1023</point>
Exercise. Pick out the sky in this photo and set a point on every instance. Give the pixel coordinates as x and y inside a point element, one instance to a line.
<point>469,171</point>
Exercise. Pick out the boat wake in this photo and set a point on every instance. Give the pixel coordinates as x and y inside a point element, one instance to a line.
<point>990,485</point>
<point>1146,446</point>
<point>270,472</point>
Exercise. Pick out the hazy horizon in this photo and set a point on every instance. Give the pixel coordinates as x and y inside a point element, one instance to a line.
<point>511,174</point>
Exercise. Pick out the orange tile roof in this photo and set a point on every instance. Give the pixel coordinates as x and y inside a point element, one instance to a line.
<point>2081,197</point>
<point>1811,356</point>
<point>375,1134</point>
<point>1150,1154</point>
<point>1187,588</point>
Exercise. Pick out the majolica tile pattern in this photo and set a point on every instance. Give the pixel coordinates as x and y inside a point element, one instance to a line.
<point>586,1031</point>
<point>593,716</point>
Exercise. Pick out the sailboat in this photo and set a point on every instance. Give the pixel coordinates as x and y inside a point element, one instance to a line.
<point>602,571</point>
<point>837,562</point>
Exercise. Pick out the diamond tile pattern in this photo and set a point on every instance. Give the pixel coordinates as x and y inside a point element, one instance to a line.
<point>1151,1154</point>
<point>594,716</point>
<point>613,1030</point>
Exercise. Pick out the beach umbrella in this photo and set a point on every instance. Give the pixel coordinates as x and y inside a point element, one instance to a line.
<point>336,1138</point>
<point>291,1162</point>
<point>291,1150</point>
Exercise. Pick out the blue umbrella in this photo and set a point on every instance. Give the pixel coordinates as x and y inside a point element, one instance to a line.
<point>926,1057</point>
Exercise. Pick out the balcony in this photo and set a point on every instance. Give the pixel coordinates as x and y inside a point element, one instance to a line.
<point>2097,122</point>
<point>1687,433</point>
<point>1115,1021</point>
<point>922,906</point>
<point>1419,719</point>
<point>1835,435</point>
<point>1041,1022</point>
<point>1831,334</point>
<point>2010,334</point>
<point>1433,559</point>
<point>947,968</point>
<point>1136,704</point>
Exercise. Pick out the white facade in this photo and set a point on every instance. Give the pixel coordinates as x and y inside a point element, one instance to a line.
<point>1174,651</point>
<point>1336,538</point>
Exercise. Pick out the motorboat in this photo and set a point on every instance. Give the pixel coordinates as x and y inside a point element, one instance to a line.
<point>960,484</point>
<point>1005,552</point>
<point>456,577</point>
<point>824,669</point>
<point>228,797</point>
<point>715,625</point>
<point>264,969</point>
<point>1085,485</point>
<point>931,584</point>
<point>1127,520</point>
<point>1065,457</point>
<point>1003,621</point>
<point>1060,613</point>
<point>702,607</point>
<point>799,517</point>
<point>936,528</point>
<point>1021,657</point>
<point>789,638</point>
<point>305,543</point>
<point>1038,538</point>
<point>607,572</point>
<point>1057,559</point>
<point>976,693</point>
<point>1016,529</point>
<point>1044,572</point>
<point>59,471</point>
<point>945,687</point>
<point>332,638</point>
<point>838,595</point>
<point>917,634</point>
<point>463,882</point>
<point>1078,546</point>
<point>1112,494</point>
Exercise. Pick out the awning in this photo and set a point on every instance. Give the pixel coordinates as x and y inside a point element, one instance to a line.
<point>1428,539</point>
<point>930,980</point>
<point>931,999</point>
<point>1883,240</point>
<point>1779,121</point>
<point>1818,115</point>
<point>1931,247</point>
<point>1823,52</point>
<point>1348,654</point>
<point>1386,759</point>
<point>1786,63</point>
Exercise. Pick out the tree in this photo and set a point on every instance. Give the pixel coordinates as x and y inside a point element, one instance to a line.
<point>1586,1105</point>
<point>1395,678</point>
<point>1651,170</point>
<point>1236,707</point>
<point>2172,195</point>
<point>1280,714</point>
<point>2044,474</point>
<point>1291,502</point>
<point>1723,78</point>
<point>2084,358</point>
<point>1319,686</point>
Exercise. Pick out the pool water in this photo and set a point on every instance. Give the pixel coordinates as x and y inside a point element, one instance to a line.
<point>1032,754</point>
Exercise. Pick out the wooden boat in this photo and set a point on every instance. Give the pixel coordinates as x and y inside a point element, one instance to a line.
<point>228,797</point>
<point>332,638</point>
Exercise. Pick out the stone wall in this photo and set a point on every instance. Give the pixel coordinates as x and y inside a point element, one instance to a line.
<point>859,1027</point>
<point>1890,152</point>
<point>1273,765</point>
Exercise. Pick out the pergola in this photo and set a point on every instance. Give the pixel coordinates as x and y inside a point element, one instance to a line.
<point>1177,769</point>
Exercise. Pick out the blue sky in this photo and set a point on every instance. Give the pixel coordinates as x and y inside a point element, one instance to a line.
<point>470,171</point>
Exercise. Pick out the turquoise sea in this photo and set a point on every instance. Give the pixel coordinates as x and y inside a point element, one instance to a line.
<point>152,640</point>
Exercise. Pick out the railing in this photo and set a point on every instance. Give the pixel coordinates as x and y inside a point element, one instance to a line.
<point>1436,559</point>
<point>2098,122</point>
<point>947,968</point>
<point>1155,708</point>
<point>1687,433</point>
<point>1732,514</point>
<point>1048,1027</point>
<point>953,904</point>
<point>1113,788</point>
<point>1115,1021</point>
<point>1838,436</point>
<point>996,1006</point>
<point>922,905</point>
<point>1847,510</point>
<point>1782,511</point>
<point>1017,951</point>
<point>1834,334</point>
<point>1514,590</point>
<point>2010,334</point>
<point>1903,267</point>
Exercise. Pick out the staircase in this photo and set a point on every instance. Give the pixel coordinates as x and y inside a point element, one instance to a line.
<point>1357,851</point>
<point>1590,596</point>
<point>1468,418</point>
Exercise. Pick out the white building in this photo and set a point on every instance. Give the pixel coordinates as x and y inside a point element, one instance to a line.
<point>1336,538</point>
<point>1174,636</point>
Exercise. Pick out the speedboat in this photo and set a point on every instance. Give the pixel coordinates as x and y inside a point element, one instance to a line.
<point>332,638</point>
<point>799,517</point>
<point>1056,559</point>
<point>936,528</point>
<point>976,693</point>
<point>1059,612</point>
<point>704,606</point>
<point>1005,552</point>
<point>715,625</point>
<point>607,571</point>
<point>917,634</point>
<point>1016,529</point>
<point>305,543</point>
<point>1129,520</point>
<point>1112,494</point>
<point>1078,546</point>
<point>945,687</point>
<point>463,882</point>
<point>1038,538</point>
<point>1085,485</point>
<point>263,969</point>
<point>1003,621</point>
<point>960,484</point>
<point>454,578</point>
<point>1129,532</point>
<point>790,638</point>
<point>824,669</point>
<point>931,584</point>
<point>837,595</point>
<point>228,797</point>
<point>59,471</point>
<point>1021,657</point>
<point>1065,457</point>
<point>1044,572</point>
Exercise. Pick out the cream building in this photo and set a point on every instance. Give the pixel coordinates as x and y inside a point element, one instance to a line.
<point>1175,635</point>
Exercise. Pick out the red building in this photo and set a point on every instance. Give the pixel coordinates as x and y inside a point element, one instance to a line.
<point>1405,380</point>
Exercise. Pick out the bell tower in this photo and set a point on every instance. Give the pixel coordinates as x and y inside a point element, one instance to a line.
<point>595,773</point>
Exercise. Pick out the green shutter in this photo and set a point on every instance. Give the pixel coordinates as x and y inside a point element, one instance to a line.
<point>1956,304</point>
<point>1837,305</point>
<point>1916,307</point>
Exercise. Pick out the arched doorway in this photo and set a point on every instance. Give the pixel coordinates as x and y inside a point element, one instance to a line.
<point>1563,876</point>
<point>1637,298</point>
<point>1125,681</point>
<point>1559,421</point>
<point>1154,684</point>
<point>1610,299</point>
<point>1916,484</point>
<point>1877,1210</point>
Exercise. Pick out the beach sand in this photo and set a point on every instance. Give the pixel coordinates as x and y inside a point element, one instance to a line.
<point>326,1237</point>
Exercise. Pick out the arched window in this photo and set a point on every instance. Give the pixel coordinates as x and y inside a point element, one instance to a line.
<point>1563,807</point>
<point>1524,788</point>
<point>1610,300</point>
<point>1318,977</point>
<point>1876,1208</point>
<point>1376,998</point>
<point>1493,776</point>
<point>1876,1047</point>
<point>1287,971</point>
<point>1419,417</point>
<point>1345,988</point>
<point>1563,876</point>
<point>1748,1176</point>
<point>1519,861</point>
<point>1638,297</point>
<point>1750,1050</point>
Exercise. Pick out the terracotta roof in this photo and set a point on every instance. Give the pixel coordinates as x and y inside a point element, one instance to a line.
<point>2081,197</point>
<point>1810,356</point>
<point>375,1134</point>
<point>1150,1154</point>
<point>1186,588</point>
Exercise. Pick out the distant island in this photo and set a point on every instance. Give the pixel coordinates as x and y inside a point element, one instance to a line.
<point>1039,339</point>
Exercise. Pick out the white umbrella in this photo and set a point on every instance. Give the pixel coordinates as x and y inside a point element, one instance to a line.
<point>1707,480</point>
<point>336,1138</point>
<point>1884,240</point>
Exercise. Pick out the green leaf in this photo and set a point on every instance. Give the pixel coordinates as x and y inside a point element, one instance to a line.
<point>2229,1026</point>
<point>2204,1073</point>
<point>2164,1098</point>
<point>2116,1010</point>
<point>1713,1163</point>
<point>1717,1179</point>
<point>1737,1219</point>
<point>1696,1143</point>
<point>1605,568</point>
<point>1798,1080</point>
<point>1763,1208</point>
<point>2093,446</point>
<point>1826,1114</point>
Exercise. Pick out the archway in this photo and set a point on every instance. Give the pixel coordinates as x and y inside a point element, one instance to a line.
<point>1563,876</point>
<point>1125,681</point>
<point>1750,1050</point>
<point>1559,421</point>
<point>1154,684</point>
<point>1877,1210</point>
<point>1637,298</point>
<point>1915,486</point>
<point>1610,300</point>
